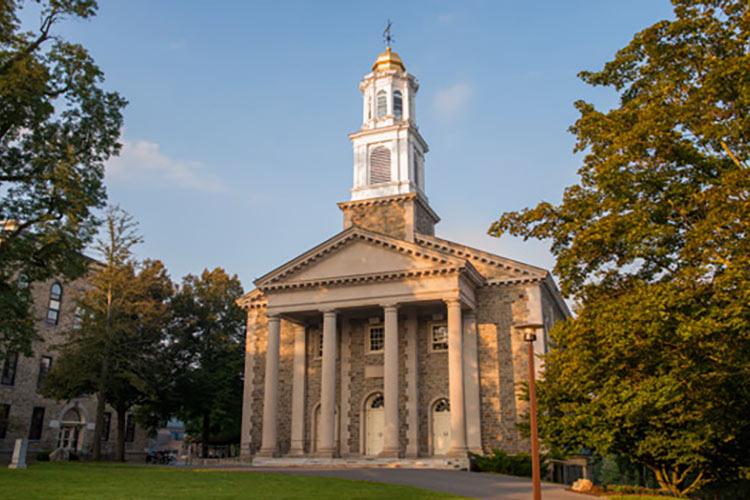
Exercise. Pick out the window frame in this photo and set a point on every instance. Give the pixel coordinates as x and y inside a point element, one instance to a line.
<point>129,428</point>
<point>398,111</point>
<point>381,97</point>
<point>9,367</point>
<point>368,338</point>
<point>43,372</point>
<point>36,426</point>
<point>4,419</point>
<point>54,297</point>
<point>430,330</point>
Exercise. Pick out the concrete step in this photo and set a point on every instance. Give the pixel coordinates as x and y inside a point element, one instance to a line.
<point>363,462</point>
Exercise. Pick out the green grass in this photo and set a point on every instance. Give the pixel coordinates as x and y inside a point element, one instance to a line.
<point>638,497</point>
<point>114,481</point>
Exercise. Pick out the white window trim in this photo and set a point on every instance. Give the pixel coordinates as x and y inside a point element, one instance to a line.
<point>430,342</point>
<point>367,339</point>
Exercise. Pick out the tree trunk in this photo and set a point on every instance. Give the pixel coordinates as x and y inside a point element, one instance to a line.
<point>121,430</point>
<point>101,401</point>
<point>99,424</point>
<point>204,435</point>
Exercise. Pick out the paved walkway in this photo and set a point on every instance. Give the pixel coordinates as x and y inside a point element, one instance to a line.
<point>468,484</point>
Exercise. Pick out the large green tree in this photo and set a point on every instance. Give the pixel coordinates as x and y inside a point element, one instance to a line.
<point>207,346</point>
<point>57,128</point>
<point>123,316</point>
<point>653,243</point>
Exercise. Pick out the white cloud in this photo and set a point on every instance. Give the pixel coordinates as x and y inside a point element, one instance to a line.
<point>450,101</point>
<point>143,161</point>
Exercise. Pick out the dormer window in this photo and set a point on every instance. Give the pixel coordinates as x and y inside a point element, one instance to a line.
<point>382,103</point>
<point>380,165</point>
<point>398,105</point>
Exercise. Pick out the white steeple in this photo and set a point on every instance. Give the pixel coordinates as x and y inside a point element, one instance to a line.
<point>388,149</point>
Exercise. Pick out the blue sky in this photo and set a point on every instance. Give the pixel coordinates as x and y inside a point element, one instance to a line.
<point>236,147</point>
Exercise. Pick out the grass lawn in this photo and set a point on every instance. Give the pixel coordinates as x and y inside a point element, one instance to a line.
<point>120,481</point>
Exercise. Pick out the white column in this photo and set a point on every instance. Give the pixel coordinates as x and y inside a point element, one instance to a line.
<point>471,385</point>
<point>390,382</point>
<point>328,387</point>
<point>269,444</point>
<point>298,393</point>
<point>456,379</point>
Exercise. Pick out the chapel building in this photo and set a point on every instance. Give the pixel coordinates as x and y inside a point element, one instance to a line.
<point>386,340</point>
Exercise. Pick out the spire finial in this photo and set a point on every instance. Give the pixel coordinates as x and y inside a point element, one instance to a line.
<point>387,36</point>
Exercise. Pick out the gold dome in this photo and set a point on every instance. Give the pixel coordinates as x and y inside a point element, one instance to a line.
<point>387,61</point>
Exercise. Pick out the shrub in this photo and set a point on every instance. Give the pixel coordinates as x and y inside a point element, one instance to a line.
<point>504,463</point>
<point>42,456</point>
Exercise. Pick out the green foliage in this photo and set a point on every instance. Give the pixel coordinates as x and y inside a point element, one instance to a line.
<point>57,129</point>
<point>653,245</point>
<point>206,346</point>
<point>504,463</point>
<point>124,313</point>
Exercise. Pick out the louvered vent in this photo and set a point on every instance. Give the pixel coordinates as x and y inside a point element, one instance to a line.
<point>380,165</point>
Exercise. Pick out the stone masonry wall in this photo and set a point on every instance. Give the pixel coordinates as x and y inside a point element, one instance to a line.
<point>502,365</point>
<point>23,396</point>
<point>386,218</point>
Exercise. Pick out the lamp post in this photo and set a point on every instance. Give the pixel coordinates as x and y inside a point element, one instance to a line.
<point>529,335</point>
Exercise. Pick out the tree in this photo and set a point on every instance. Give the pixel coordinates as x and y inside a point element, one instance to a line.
<point>207,346</point>
<point>653,244</point>
<point>57,128</point>
<point>124,313</point>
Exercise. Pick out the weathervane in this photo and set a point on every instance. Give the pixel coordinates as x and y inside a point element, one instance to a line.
<point>387,36</point>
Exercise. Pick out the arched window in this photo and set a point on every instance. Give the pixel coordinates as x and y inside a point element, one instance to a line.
<point>382,104</point>
<point>380,165</point>
<point>55,300</point>
<point>377,402</point>
<point>397,105</point>
<point>442,405</point>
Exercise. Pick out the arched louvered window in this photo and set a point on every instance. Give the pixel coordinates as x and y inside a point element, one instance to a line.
<point>55,301</point>
<point>382,104</point>
<point>380,165</point>
<point>398,105</point>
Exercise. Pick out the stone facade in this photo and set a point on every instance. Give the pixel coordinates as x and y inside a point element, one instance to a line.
<point>449,357</point>
<point>22,396</point>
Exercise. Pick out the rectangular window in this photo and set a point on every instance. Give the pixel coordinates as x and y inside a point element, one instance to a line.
<point>45,364</point>
<point>37,423</point>
<point>107,423</point>
<point>129,429</point>
<point>316,337</point>
<point>9,369</point>
<point>439,337</point>
<point>4,418</point>
<point>375,339</point>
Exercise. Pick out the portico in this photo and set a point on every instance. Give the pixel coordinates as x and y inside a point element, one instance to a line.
<point>377,297</point>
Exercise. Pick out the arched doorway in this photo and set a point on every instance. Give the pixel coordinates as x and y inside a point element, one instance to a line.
<point>441,427</point>
<point>71,431</point>
<point>317,422</point>
<point>374,424</point>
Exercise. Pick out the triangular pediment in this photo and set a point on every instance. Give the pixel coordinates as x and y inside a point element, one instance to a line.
<point>357,252</point>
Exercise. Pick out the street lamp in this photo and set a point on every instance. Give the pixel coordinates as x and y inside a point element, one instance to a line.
<point>529,336</point>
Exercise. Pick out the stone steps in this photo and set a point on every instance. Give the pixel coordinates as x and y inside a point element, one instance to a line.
<point>362,462</point>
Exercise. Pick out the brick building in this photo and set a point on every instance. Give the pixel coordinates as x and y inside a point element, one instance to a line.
<point>50,424</point>
<point>386,340</point>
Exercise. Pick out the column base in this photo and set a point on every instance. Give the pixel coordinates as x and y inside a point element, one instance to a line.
<point>296,453</point>
<point>326,454</point>
<point>390,454</point>
<point>458,453</point>
<point>272,453</point>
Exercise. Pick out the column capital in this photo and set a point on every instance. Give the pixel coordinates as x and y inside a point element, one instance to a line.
<point>329,312</point>
<point>452,301</point>
<point>273,317</point>
<point>390,306</point>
